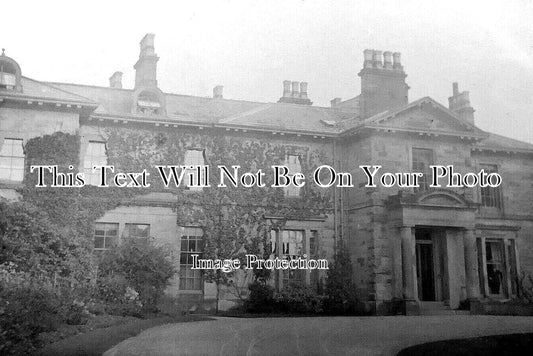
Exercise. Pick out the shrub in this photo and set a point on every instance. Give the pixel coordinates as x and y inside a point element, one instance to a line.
<point>27,308</point>
<point>525,287</point>
<point>298,298</point>
<point>139,264</point>
<point>340,292</point>
<point>261,298</point>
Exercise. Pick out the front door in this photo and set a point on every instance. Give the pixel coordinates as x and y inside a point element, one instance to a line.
<point>425,266</point>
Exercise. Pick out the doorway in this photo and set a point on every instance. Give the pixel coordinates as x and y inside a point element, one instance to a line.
<point>426,262</point>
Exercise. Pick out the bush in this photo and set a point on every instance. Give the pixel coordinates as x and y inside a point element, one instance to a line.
<point>137,264</point>
<point>340,292</point>
<point>27,308</point>
<point>298,298</point>
<point>261,298</point>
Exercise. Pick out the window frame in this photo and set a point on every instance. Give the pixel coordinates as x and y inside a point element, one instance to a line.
<point>88,171</point>
<point>185,163</point>
<point>509,264</point>
<point>185,273</point>
<point>425,180</point>
<point>496,192</point>
<point>127,233</point>
<point>12,157</point>
<point>105,236</point>
<point>293,191</point>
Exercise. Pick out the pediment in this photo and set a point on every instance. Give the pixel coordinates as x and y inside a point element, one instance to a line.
<point>425,115</point>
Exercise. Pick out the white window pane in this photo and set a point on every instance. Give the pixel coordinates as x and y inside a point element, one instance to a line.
<point>17,149</point>
<point>4,173</point>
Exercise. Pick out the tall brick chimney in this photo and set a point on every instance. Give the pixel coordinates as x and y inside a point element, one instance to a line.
<point>459,103</point>
<point>383,84</point>
<point>146,66</point>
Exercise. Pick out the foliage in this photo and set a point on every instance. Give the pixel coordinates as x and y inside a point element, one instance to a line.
<point>36,246</point>
<point>143,266</point>
<point>525,287</point>
<point>261,298</point>
<point>340,292</point>
<point>28,306</point>
<point>299,298</point>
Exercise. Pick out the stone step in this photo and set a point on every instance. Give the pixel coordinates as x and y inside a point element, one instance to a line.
<point>444,312</point>
<point>434,306</point>
<point>439,308</point>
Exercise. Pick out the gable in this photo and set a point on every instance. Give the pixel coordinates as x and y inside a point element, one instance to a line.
<point>425,116</point>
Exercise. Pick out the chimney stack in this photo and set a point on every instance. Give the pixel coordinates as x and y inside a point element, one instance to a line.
<point>218,92</point>
<point>383,84</point>
<point>146,66</point>
<point>459,103</point>
<point>334,102</point>
<point>295,93</point>
<point>303,90</point>
<point>115,81</point>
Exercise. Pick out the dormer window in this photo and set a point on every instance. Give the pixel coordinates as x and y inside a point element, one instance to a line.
<point>9,74</point>
<point>148,103</point>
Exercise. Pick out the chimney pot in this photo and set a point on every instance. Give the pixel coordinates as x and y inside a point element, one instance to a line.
<point>303,90</point>
<point>218,92</point>
<point>378,60</point>
<point>397,61</point>
<point>387,60</point>
<point>295,89</point>
<point>369,57</point>
<point>115,81</point>
<point>286,88</point>
<point>455,87</point>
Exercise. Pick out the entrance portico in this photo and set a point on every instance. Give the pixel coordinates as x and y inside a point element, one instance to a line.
<point>436,260</point>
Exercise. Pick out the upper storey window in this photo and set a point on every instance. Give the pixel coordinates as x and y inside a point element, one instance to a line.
<point>148,103</point>
<point>422,159</point>
<point>96,156</point>
<point>293,163</point>
<point>12,160</point>
<point>490,197</point>
<point>9,73</point>
<point>194,158</point>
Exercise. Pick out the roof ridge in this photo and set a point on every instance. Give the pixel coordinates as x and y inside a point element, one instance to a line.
<point>59,89</point>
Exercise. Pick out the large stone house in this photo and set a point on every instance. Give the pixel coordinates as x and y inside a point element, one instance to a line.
<point>409,246</point>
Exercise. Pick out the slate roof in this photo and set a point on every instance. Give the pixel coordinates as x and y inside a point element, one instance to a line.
<point>502,143</point>
<point>35,90</point>
<point>227,112</point>
<point>244,114</point>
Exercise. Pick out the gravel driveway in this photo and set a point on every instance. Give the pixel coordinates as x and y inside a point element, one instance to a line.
<point>312,335</point>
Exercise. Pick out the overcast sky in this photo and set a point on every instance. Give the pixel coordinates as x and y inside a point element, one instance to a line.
<point>250,47</point>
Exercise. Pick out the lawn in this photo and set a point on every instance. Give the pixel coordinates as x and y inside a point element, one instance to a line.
<point>95,342</point>
<point>500,345</point>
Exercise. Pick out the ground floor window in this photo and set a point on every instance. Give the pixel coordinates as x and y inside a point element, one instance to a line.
<point>294,244</point>
<point>497,267</point>
<point>191,244</point>
<point>136,230</point>
<point>105,235</point>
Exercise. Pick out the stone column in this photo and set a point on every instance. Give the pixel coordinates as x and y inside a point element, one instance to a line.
<point>471,265</point>
<point>410,292</point>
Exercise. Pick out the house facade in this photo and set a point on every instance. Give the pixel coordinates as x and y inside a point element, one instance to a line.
<point>409,246</point>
